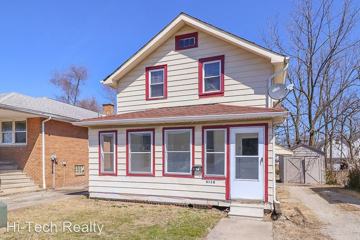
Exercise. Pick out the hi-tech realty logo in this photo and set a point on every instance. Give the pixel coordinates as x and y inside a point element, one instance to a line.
<point>65,227</point>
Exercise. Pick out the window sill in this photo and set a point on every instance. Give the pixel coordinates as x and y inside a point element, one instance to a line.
<point>140,175</point>
<point>13,144</point>
<point>159,98</point>
<point>214,177</point>
<point>107,174</point>
<point>211,94</point>
<point>178,175</point>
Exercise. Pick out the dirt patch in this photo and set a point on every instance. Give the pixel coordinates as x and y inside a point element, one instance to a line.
<point>297,221</point>
<point>345,199</point>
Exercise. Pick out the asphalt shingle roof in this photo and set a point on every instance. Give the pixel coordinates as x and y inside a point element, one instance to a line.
<point>44,106</point>
<point>194,110</point>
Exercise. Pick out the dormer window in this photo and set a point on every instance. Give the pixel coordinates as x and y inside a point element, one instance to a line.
<point>186,41</point>
<point>211,76</point>
<point>156,82</point>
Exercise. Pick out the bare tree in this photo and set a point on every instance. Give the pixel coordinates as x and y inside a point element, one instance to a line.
<point>321,39</point>
<point>109,94</point>
<point>90,103</point>
<point>69,82</point>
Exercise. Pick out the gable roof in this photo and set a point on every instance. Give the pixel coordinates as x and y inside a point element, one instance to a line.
<point>185,19</point>
<point>195,113</point>
<point>43,106</point>
<point>308,147</point>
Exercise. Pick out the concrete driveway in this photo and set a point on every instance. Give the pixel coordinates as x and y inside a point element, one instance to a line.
<point>339,212</point>
<point>28,199</point>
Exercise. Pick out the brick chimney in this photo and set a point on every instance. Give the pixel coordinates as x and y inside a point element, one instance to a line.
<point>108,109</point>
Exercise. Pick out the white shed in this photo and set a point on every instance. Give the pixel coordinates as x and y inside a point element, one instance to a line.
<point>305,166</point>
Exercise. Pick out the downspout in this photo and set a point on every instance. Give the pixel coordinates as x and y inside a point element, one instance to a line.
<point>274,167</point>
<point>43,150</point>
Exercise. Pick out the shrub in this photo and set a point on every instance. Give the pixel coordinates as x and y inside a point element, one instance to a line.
<point>331,178</point>
<point>354,179</point>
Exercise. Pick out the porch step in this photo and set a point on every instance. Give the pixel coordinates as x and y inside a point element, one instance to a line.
<point>15,181</point>
<point>254,210</point>
<point>20,190</point>
<point>8,166</point>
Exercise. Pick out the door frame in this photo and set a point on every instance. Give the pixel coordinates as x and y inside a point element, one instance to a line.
<point>248,184</point>
<point>266,154</point>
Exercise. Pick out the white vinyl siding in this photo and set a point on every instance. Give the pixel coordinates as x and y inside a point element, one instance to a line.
<point>245,76</point>
<point>123,186</point>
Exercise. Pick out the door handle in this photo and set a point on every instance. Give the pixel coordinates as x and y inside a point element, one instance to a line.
<point>261,160</point>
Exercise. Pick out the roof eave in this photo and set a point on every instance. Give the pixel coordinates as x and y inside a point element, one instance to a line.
<point>38,113</point>
<point>182,119</point>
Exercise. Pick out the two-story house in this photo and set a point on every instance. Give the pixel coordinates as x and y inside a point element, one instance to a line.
<point>194,122</point>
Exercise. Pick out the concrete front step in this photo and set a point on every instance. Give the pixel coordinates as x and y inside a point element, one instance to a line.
<point>11,179</point>
<point>2,162</point>
<point>253,210</point>
<point>8,166</point>
<point>17,185</point>
<point>14,180</point>
<point>9,191</point>
<point>10,172</point>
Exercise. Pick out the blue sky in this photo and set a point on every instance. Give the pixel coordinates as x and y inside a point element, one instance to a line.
<point>40,37</point>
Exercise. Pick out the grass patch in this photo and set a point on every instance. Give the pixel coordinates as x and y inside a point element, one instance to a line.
<point>121,220</point>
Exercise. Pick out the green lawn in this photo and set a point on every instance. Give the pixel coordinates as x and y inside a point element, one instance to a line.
<point>120,220</point>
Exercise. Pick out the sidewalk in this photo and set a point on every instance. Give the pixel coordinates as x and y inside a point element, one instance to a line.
<point>241,228</point>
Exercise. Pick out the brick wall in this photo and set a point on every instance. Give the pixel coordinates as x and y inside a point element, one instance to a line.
<point>68,142</point>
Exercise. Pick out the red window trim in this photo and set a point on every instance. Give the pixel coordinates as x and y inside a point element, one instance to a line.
<point>191,175</point>
<point>116,154</point>
<point>200,70</point>
<point>187,35</point>
<point>227,177</point>
<point>128,173</point>
<point>147,82</point>
<point>213,177</point>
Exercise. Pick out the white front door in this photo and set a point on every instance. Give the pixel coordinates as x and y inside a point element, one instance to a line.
<point>247,163</point>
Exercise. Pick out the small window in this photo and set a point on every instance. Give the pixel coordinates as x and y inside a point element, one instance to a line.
<point>178,151</point>
<point>186,41</point>
<point>215,146</point>
<point>140,152</point>
<point>156,82</point>
<point>20,132</point>
<point>108,153</point>
<point>13,132</point>
<point>211,76</point>
<point>79,170</point>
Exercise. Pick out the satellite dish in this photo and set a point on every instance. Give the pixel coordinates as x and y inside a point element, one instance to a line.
<point>278,91</point>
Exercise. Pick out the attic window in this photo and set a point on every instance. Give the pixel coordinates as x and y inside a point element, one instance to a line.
<point>186,41</point>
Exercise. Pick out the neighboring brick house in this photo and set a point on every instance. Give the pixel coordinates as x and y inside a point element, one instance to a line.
<point>22,122</point>
<point>194,123</point>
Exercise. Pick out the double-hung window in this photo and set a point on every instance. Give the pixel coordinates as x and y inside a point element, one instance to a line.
<point>178,150</point>
<point>108,155</point>
<point>13,132</point>
<point>211,76</point>
<point>140,152</point>
<point>214,152</point>
<point>156,82</point>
